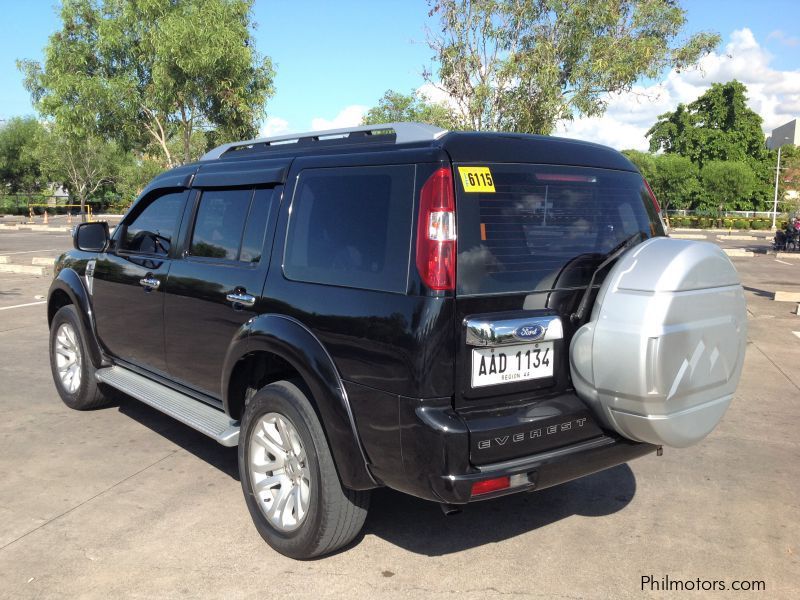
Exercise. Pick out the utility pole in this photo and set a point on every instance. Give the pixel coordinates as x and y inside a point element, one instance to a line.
<point>777,176</point>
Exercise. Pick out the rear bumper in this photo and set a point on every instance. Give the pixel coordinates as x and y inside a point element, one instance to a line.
<point>427,449</point>
<point>545,469</point>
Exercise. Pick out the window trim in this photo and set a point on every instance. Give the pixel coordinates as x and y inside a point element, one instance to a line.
<point>411,234</point>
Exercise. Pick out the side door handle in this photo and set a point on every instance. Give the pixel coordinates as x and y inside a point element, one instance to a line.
<point>148,282</point>
<point>241,298</point>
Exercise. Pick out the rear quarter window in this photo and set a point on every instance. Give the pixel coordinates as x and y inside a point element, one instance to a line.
<point>352,227</point>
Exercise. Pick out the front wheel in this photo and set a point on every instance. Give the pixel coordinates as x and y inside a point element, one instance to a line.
<point>73,372</point>
<point>289,478</point>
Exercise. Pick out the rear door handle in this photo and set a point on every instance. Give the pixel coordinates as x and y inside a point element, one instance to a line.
<point>241,298</point>
<point>149,282</point>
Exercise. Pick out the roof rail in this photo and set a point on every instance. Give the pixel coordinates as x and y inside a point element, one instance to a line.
<point>405,132</point>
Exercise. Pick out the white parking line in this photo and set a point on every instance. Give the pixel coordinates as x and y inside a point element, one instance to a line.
<point>28,251</point>
<point>797,333</point>
<point>23,305</point>
<point>783,262</point>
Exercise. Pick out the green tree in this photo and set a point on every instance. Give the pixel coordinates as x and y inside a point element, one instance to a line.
<point>395,106</point>
<point>82,165</point>
<point>789,179</point>
<point>144,73</point>
<point>135,172</point>
<point>674,179</point>
<point>523,65</point>
<point>717,126</point>
<point>20,170</point>
<point>728,184</point>
<point>644,161</point>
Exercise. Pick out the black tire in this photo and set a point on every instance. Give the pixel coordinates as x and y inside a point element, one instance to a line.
<point>335,514</point>
<point>88,395</point>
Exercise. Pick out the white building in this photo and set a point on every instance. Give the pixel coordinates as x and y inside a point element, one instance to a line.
<point>788,133</point>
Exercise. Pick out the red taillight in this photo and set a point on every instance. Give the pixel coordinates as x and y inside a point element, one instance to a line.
<point>656,205</point>
<point>490,485</point>
<point>436,232</point>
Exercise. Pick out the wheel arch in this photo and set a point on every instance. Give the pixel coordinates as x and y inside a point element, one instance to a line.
<point>67,288</point>
<point>272,347</point>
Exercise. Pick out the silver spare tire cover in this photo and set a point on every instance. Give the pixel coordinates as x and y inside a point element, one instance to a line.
<point>662,354</point>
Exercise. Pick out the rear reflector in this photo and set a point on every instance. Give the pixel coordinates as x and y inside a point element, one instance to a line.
<point>490,485</point>
<point>436,232</point>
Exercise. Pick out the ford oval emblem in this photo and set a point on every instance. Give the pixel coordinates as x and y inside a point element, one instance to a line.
<point>529,332</point>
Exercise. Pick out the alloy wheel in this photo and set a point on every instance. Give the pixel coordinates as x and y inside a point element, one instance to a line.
<point>279,473</point>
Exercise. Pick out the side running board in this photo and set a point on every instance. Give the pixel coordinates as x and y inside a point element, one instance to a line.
<point>205,419</point>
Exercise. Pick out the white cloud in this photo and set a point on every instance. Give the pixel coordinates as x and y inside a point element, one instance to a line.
<point>274,126</point>
<point>773,94</point>
<point>783,38</point>
<point>436,95</point>
<point>349,116</point>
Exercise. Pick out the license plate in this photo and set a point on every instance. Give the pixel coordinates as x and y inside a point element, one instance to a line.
<point>508,364</point>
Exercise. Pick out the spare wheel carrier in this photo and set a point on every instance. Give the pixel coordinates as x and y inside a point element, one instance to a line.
<point>661,356</point>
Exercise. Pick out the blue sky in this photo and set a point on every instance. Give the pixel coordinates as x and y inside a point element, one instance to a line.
<point>332,57</point>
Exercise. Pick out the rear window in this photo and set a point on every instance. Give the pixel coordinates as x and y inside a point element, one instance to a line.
<point>546,227</point>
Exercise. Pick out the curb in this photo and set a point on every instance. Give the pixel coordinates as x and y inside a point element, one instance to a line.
<point>26,269</point>
<point>43,228</point>
<point>738,252</point>
<point>687,236</point>
<point>786,296</point>
<point>43,261</point>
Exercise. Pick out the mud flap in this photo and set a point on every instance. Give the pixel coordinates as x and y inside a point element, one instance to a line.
<point>662,354</point>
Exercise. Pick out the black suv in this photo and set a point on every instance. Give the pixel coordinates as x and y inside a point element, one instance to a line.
<point>454,315</point>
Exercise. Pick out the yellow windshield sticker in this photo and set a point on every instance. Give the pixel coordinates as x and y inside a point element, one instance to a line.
<point>476,179</point>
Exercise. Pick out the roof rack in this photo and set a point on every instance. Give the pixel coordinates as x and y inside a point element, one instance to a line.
<point>404,133</point>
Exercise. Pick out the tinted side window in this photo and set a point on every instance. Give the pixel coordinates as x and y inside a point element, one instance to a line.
<point>256,228</point>
<point>352,227</point>
<point>152,230</point>
<point>219,223</point>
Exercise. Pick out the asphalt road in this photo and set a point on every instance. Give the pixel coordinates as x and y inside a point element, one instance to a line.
<point>126,503</point>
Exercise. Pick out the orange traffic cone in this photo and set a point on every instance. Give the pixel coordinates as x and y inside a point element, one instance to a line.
<point>45,218</point>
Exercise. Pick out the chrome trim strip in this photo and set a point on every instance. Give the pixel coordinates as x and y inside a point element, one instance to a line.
<point>486,332</point>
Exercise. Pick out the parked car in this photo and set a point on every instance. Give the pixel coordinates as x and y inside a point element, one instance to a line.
<point>454,315</point>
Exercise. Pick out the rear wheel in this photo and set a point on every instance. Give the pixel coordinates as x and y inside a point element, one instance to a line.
<point>73,372</point>
<point>289,479</point>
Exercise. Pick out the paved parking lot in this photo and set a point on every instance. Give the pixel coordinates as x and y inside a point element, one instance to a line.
<point>125,503</point>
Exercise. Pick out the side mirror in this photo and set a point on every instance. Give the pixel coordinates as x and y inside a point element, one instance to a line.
<point>91,237</point>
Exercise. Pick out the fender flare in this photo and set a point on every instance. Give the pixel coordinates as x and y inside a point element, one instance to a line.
<point>69,282</point>
<point>297,345</point>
